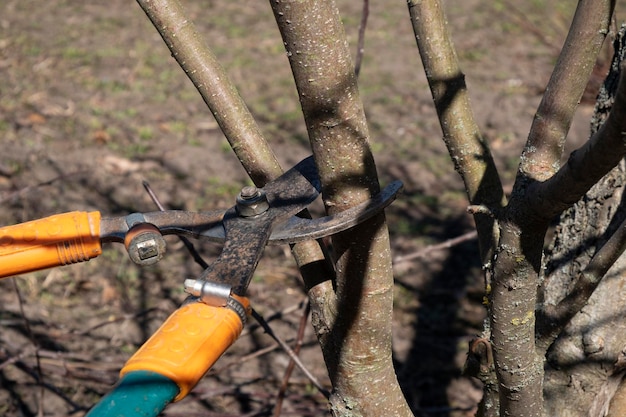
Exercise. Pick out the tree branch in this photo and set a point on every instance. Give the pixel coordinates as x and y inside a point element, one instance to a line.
<point>231,113</point>
<point>551,320</point>
<point>586,165</point>
<point>533,204</point>
<point>543,150</point>
<point>215,87</point>
<point>469,152</point>
<point>355,332</point>
<point>556,314</point>
<point>360,49</point>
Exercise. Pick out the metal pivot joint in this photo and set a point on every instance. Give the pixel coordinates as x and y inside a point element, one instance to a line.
<point>251,202</point>
<point>143,241</point>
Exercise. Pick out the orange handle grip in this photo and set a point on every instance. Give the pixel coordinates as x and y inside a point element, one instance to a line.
<point>53,241</point>
<point>190,341</point>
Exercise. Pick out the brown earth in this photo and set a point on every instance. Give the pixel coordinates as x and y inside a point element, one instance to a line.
<point>92,104</point>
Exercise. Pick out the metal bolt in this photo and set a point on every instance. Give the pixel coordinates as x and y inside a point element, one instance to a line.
<point>145,246</point>
<point>251,202</point>
<point>249,192</point>
<point>147,249</point>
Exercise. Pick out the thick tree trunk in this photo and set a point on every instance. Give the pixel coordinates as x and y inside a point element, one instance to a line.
<point>352,318</point>
<point>581,376</point>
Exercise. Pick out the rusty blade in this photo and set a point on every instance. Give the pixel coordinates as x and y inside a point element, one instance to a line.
<point>297,229</point>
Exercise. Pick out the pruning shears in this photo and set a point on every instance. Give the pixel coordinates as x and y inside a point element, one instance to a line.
<point>197,334</point>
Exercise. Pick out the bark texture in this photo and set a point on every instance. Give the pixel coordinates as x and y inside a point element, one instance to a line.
<point>469,152</point>
<point>353,319</point>
<point>543,150</point>
<point>581,377</point>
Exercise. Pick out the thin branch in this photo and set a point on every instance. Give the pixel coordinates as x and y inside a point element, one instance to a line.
<point>543,150</point>
<point>190,247</point>
<point>243,359</point>
<point>361,43</point>
<point>274,316</point>
<point>304,318</point>
<point>14,194</point>
<point>513,12</point>
<point>466,146</point>
<point>433,248</point>
<point>38,374</point>
<point>292,355</point>
<point>215,87</point>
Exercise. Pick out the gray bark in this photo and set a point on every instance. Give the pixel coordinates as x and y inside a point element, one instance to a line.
<point>580,373</point>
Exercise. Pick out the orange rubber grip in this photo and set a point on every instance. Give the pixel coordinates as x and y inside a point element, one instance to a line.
<point>190,341</point>
<point>53,241</point>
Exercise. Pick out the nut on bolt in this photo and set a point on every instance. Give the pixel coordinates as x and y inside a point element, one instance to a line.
<point>251,202</point>
<point>145,244</point>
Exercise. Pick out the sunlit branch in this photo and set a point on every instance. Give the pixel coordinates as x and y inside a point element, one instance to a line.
<point>543,150</point>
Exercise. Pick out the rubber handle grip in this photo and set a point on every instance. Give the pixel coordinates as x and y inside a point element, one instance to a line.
<point>52,241</point>
<point>190,341</point>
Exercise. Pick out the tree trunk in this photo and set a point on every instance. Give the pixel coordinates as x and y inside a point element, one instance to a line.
<point>580,374</point>
<point>352,318</point>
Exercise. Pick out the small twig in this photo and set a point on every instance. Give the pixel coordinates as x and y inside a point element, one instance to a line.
<point>45,386</point>
<point>521,16</point>
<point>439,246</point>
<point>190,247</point>
<point>29,188</point>
<point>31,336</point>
<point>11,357</point>
<point>244,359</point>
<point>64,364</point>
<point>113,320</point>
<point>289,352</point>
<point>296,349</point>
<point>276,315</point>
<point>361,44</point>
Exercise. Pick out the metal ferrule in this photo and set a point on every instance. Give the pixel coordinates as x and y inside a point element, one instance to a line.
<point>212,293</point>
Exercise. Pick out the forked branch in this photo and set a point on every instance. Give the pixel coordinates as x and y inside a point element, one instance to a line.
<point>586,165</point>
<point>543,150</point>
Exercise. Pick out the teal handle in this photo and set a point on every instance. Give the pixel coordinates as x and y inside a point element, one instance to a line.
<point>137,394</point>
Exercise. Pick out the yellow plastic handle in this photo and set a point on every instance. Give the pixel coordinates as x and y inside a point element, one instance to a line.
<point>190,341</point>
<point>53,241</point>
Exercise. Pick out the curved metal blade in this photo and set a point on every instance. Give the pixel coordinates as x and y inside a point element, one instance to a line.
<point>297,229</point>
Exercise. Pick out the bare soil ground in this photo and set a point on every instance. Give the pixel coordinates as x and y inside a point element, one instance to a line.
<point>92,104</point>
